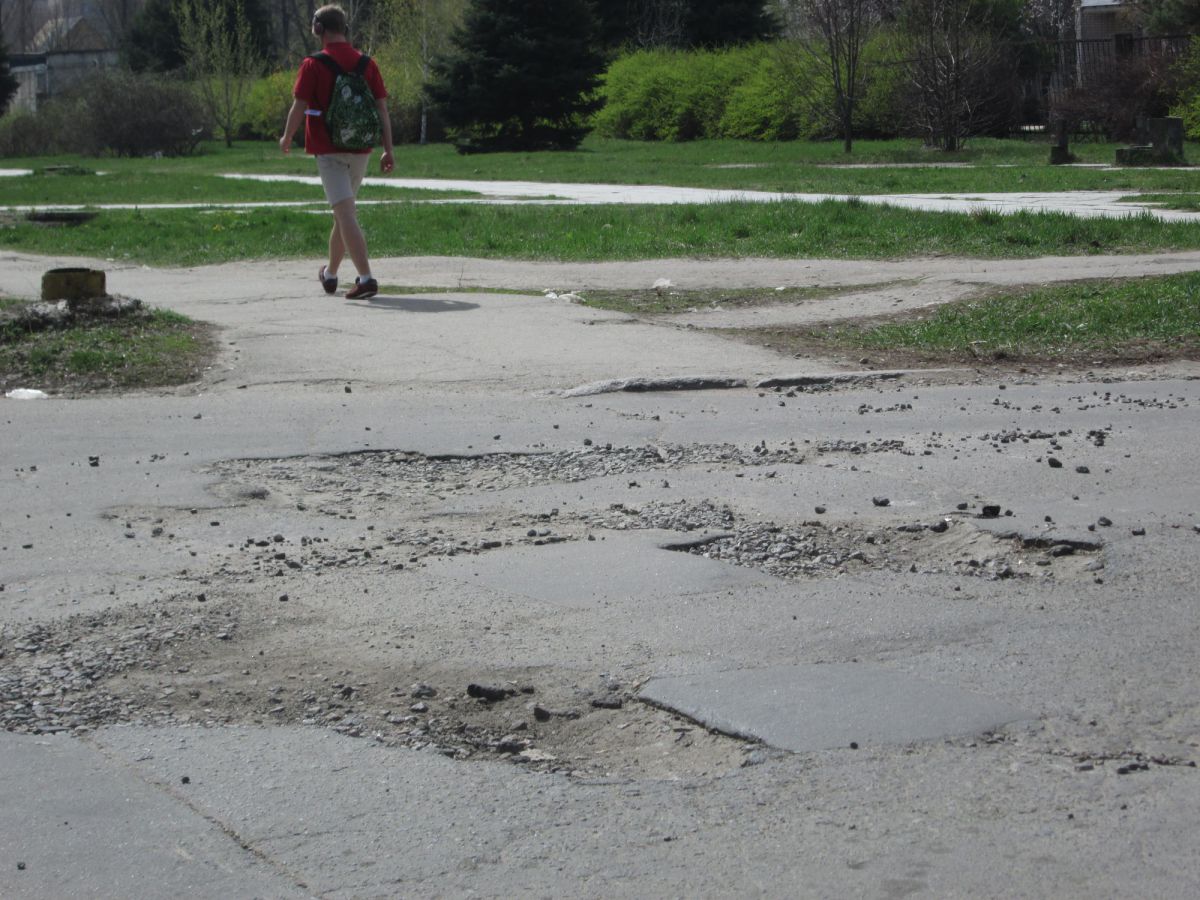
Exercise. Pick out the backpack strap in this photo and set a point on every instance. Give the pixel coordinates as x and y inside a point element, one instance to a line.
<point>329,62</point>
<point>360,69</point>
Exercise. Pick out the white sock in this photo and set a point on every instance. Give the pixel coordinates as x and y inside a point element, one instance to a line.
<point>325,271</point>
<point>362,278</point>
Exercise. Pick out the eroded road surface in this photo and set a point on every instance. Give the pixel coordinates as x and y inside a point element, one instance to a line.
<point>380,608</point>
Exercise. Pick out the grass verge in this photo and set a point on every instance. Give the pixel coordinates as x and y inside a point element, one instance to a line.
<point>652,302</point>
<point>1080,323</point>
<point>597,233</point>
<point>897,166</point>
<point>157,184</point>
<point>149,349</point>
<point>1181,201</point>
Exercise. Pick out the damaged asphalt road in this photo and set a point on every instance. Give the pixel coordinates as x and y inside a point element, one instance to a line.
<point>476,636</point>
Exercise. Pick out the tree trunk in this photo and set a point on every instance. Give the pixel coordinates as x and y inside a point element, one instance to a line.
<point>73,285</point>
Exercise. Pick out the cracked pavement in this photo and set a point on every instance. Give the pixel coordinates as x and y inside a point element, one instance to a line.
<point>376,609</point>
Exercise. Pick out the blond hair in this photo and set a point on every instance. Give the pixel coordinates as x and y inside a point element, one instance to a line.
<point>331,18</point>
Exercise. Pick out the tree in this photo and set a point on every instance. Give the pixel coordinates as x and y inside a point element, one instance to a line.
<point>681,23</point>
<point>642,24</point>
<point>117,16</point>
<point>1170,16</point>
<point>418,32</point>
<point>957,66</point>
<point>221,58</point>
<point>720,23</point>
<point>834,33</point>
<point>520,75</point>
<point>1050,20</point>
<point>152,43</point>
<point>18,24</point>
<point>155,42</point>
<point>8,81</point>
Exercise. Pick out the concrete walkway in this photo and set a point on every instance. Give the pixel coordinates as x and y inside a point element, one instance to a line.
<point>1085,204</point>
<point>240,619</point>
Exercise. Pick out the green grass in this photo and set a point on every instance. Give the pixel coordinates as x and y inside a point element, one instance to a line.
<point>782,230</point>
<point>1180,201</point>
<point>152,349</point>
<point>1088,317</point>
<point>156,183</point>
<point>652,302</point>
<point>814,167</point>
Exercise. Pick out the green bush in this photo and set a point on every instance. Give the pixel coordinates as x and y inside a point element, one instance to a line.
<point>769,91</point>
<point>767,106</point>
<point>267,106</point>
<point>1187,74</point>
<point>114,112</point>
<point>53,129</point>
<point>675,95</point>
<point>127,114</point>
<point>882,111</point>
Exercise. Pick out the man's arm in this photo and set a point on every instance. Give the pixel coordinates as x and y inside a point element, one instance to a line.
<point>294,118</point>
<point>387,162</point>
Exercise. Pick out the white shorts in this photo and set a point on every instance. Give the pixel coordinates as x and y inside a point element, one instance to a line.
<point>341,174</point>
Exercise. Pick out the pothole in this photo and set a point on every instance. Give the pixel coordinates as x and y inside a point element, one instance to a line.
<point>177,662</point>
<point>235,648</point>
<point>356,483</point>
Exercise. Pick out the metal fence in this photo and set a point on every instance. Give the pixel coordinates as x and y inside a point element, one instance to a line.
<point>1078,62</point>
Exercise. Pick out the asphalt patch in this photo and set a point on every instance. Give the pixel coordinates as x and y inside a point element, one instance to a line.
<point>823,707</point>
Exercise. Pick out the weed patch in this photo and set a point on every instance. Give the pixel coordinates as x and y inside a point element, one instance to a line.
<point>147,349</point>
<point>1081,323</point>
<point>597,233</point>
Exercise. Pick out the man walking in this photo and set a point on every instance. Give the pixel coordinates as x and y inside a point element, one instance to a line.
<point>341,170</point>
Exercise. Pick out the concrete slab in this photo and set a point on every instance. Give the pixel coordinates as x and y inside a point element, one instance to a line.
<point>1087,204</point>
<point>75,824</point>
<point>354,819</point>
<point>614,567</point>
<point>821,707</point>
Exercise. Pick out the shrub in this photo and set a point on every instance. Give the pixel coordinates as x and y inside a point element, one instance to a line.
<point>1187,74</point>
<point>674,95</point>
<point>139,115</point>
<point>769,91</point>
<point>882,111</point>
<point>1115,95</point>
<point>767,107</point>
<point>53,129</point>
<point>267,106</point>
<point>637,92</point>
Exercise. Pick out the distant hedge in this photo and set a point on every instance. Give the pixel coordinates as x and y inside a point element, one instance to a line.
<point>769,91</point>
<point>113,112</point>
<point>1187,75</point>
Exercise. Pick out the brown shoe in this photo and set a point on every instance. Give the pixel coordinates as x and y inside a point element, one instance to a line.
<point>329,282</point>
<point>363,290</point>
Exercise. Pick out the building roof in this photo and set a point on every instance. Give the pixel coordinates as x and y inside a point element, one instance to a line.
<point>66,33</point>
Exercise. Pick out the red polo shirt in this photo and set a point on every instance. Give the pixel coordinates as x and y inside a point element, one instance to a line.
<point>314,85</point>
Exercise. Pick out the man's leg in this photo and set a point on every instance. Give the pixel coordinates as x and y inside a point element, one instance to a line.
<point>349,235</point>
<point>337,249</point>
<point>341,176</point>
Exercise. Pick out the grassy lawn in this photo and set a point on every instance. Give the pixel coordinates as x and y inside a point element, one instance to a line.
<point>158,182</point>
<point>830,229</point>
<point>1182,201</point>
<point>165,237</point>
<point>803,166</point>
<point>1134,319</point>
<point>651,302</point>
<point>150,349</point>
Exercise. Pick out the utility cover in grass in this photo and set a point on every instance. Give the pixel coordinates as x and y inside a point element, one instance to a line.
<point>822,707</point>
